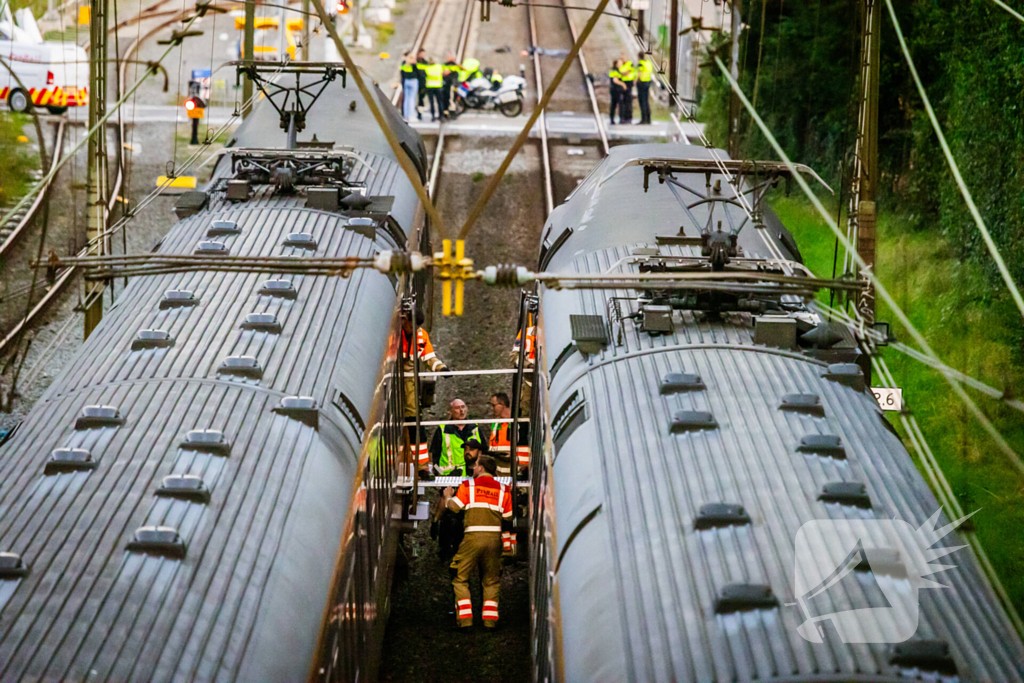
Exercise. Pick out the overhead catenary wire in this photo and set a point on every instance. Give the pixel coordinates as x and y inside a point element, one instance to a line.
<point>947,152</point>
<point>989,428</point>
<point>1017,15</point>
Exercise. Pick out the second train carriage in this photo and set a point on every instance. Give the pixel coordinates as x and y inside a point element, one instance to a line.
<point>683,447</point>
<point>191,499</point>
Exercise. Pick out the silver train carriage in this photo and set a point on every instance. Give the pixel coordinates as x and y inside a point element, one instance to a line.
<point>191,498</point>
<point>684,446</point>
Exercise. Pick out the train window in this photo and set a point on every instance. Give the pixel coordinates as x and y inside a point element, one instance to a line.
<point>348,409</point>
<point>548,251</point>
<point>569,417</point>
<point>6,434</point>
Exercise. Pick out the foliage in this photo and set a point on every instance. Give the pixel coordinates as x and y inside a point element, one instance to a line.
<point>970,55</point>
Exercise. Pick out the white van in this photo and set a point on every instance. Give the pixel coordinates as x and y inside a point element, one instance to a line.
<point>52,74</point>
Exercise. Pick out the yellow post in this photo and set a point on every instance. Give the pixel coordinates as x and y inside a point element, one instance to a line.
<point>446,288</point>
<point>460,255</point>
<point>84,14</point>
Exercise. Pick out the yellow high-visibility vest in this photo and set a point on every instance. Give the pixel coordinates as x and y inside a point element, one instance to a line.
<point>435,75</point>
<point>646,70</point>
<point>628,73</point>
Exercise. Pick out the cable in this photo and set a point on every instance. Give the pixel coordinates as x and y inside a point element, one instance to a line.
<point>1017,15</point>
<point>992,248</point>
<point>91,132</point>
<point>1014,459</point>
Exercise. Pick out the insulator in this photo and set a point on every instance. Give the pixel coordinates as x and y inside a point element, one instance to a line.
<point>398,262</point>
<point>506,275</point>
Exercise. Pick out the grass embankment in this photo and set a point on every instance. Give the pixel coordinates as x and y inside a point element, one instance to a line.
<point>18,158</point>
<point>973,326</point>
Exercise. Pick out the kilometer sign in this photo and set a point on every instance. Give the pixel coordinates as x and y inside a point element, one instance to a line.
<point>889,398</point>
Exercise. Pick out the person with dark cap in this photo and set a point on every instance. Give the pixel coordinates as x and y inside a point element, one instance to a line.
<point>421,73</point>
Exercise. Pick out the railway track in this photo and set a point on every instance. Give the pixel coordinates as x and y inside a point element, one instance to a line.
<point>13,228</point>
<point>64,276</point>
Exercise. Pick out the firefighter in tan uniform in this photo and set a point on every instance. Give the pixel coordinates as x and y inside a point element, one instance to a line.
<point>429,362</point>
<point>488,505</point>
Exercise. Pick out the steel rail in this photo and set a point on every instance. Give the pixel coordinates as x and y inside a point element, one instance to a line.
<point>65,276</point>
<point>545,151</point>
<point>58,145</point>
<point>587,80</point>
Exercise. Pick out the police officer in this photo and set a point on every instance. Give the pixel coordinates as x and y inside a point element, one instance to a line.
<point>628,77</point>
<point>410,86</point>
<point>645,72</point>
<point>615,88</point>
<point>470,69</point>
<point>435,80</point>
<point>488,506</point>
<point>451,82</point>
<point>421,74</point>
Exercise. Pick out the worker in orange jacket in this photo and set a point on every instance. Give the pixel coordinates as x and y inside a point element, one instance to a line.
<point>429,362</point>
<point>488,506</point>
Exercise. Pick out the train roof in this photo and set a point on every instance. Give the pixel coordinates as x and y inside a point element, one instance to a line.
<point>195,369</point>
<point>652,428</point>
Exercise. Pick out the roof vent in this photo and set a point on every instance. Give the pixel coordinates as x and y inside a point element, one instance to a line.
<point>656,319</point>
<point>301,408</point>
<point>178,298</point>
<point>589,333</point>
<point>364,225</point>
<point>69,460</point>
<point>809,404</point>
<point>717,515</point>
<point>283,289</point>
<point>211,247</point>
<point>152,339</point>
<point>302,240</point>
<point>99,416</point>
<point>190,203</point>
<point>692,421</point>
<point>926,655</point>
<point>678,382</point>
<point>322,198</point>
<point>207,441</point>
<point>744,597</point>
<point>847,374</point>
<point>885,561</point>
<point>236,190</point>
<point>846,493</point>
<point>827,445</point>
<point>776,331</point>
<point>241,366</point>
<point>184,487</point>
<point>158,540</point>
<point>12,566</point>
<point>262,322</point>
<point>223,229</point>
<point>645,251</point>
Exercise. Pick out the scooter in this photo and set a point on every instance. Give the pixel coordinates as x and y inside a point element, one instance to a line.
<point>481,94</point>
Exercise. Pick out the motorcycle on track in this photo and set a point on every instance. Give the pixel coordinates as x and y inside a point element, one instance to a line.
<point>480,93</point>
